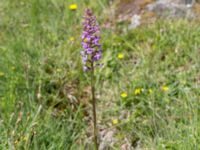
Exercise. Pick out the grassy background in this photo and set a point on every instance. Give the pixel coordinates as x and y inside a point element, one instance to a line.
<point>44,94</point>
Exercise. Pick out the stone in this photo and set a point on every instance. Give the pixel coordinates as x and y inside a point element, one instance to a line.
<point>196,9</point>
<point>131,7</point>
<point>135,21</point>
<point>107,139</point>
<point>138,12</point>
<point>171,9</point>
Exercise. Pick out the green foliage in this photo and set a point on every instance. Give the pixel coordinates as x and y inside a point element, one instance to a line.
<point>44,97</point>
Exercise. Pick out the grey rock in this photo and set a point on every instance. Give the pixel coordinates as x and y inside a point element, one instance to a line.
<point>107,139</point>
<point>172,8</point>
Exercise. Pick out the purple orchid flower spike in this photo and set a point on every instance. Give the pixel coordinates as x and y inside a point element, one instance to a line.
<point>91,54</point>
<point>92,51</point>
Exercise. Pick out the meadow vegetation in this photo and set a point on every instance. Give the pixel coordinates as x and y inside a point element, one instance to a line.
<point>147,90</point>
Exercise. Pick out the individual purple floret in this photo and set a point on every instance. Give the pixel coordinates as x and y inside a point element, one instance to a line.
<point>90,41</point>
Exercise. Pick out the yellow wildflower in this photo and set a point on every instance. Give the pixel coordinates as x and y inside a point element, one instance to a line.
<point>71,39</point>
<point>165,88</point>
<point>120,56</point>
<point>150,91</point>
<point>1,74</point>
<point>124,94</point>
<point>59,70</point>
<point>115,121</point>
<point>13,68</point>
<point>73,7</point>
<point>138,91</point>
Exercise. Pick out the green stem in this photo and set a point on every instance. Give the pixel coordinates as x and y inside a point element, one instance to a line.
<point>94,107</point>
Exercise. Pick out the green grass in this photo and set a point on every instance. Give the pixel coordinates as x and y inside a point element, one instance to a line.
<point>44,94</point>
